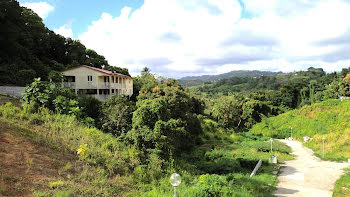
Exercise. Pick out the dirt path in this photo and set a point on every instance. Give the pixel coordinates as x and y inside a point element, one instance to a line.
<point>24,165</point>
<point>307,175</point>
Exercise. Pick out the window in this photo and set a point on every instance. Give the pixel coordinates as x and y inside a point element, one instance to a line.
<point>89,78</point>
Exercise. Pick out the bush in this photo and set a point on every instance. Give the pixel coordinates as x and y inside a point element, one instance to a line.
<point>91,107</point>
<point>52,96</point>
<point>212,186</point>
<point>116,117</point>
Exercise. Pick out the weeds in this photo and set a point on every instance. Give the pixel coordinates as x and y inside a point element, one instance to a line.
<point>219,165</point>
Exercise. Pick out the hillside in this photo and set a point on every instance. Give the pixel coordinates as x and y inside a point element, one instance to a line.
<point>83,161</point>
<point>197,80</point>
<point>329,119</point>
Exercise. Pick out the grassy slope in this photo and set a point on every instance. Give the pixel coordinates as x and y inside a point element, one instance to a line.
<point>103,164</point>
<point>220,166</point>
<point>330,119</point>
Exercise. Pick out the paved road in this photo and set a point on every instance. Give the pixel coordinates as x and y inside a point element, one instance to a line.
<point>307,175</point>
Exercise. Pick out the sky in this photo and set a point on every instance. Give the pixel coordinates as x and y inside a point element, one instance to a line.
<point>177,38</point>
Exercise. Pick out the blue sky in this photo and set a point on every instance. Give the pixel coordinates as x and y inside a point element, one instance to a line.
<point>178,38</point>
<point>80,13</point>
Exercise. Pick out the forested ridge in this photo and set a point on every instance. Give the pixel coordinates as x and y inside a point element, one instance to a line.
<point>198,80</point>
<point>28,49</point>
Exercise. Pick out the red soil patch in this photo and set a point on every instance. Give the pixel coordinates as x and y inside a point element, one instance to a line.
<point>26,166</point>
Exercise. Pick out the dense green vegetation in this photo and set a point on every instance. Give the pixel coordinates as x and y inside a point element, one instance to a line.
<point>219,166</point>
<point>198,80</point>
<point>239,103</point>
<point>28,49</point>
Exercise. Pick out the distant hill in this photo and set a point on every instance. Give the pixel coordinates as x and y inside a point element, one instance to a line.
<point>197,80</point>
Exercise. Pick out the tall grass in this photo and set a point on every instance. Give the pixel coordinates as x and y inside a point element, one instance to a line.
<point>329,119</point>
<point>105,160</point>
<point>222,164</point>
<point>342,186</point>
<point>219,166</point>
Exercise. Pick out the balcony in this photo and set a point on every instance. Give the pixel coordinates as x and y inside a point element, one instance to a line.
<point>105,85</point>
<point>69,84</point>
<point>118,85</point>
<point>91,85</point>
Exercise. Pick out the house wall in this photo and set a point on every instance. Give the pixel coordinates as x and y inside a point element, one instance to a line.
<point>122,84</point>
<point>81,79</point>
<point>12,91</point>
<point>129,86</point>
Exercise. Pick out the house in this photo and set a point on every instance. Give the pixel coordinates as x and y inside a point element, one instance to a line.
<point>96,82</point>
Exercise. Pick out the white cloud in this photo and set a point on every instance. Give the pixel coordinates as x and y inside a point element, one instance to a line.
<point>177,38</point>
<point>41,8</point>
<point>65,30</point>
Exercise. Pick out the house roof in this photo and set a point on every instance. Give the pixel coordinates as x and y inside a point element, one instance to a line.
<point>102,71</point>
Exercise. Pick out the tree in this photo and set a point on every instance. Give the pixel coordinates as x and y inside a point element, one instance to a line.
<point>95,60</point>
<point>165,122</point>
<point>52,96</point>
<point>29,49</point>
<point>344,86</point>
<point>228,110</point>
<point>116,116</point>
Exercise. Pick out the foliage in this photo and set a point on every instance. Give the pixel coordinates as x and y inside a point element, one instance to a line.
<point>29,49</point>
<point>165,120</point>
<point>221,166</point>
<point>66,132</point>
<point>344,86</point>
<point>56,77</point>
<point>53,96</point>
<point>198,80</point>
<point>237,111</point>
<point>342,185</point>
<point>116,115</point>
<point>328,118</point>
<point>90,106</point>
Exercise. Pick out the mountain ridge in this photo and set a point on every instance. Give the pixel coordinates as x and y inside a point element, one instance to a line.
<point>198,80</point>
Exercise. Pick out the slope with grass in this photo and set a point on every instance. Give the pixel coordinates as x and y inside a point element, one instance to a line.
<point>329,119</point>
<point>93,163</point>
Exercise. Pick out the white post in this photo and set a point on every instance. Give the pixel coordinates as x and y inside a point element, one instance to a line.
<point>256,168</point>
<point>175,191</point>
<point>271,146</point>
<point>323,138</point>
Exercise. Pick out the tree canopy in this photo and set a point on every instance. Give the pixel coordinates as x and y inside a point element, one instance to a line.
<point>29,49</point>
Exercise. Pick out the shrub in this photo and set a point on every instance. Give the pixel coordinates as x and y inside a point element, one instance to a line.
<point>116,117</point>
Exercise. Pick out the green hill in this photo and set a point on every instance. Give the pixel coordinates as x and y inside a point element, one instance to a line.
<point>329,119</point>
<point>198,80</point>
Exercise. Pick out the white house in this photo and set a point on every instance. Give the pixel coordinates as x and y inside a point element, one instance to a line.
<point>96,82</point>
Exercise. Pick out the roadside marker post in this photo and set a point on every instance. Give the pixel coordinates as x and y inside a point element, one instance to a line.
<point>256,168</point>
<point>271,140</point>
<point>273,158</point>
<point>323,138</point>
